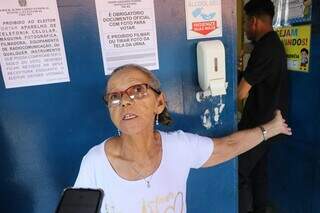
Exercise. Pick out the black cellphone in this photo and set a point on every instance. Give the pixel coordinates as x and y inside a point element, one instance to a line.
<point>80,200</point>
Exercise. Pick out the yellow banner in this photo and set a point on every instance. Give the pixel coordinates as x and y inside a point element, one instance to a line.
<point>296,41</point>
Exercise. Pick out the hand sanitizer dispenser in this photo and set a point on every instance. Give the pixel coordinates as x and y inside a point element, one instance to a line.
<point>211,69</point>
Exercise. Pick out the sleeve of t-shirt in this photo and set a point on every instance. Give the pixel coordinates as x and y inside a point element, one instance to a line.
<point>197,149</point>
<point>85,177</point>
<point>259,66</point>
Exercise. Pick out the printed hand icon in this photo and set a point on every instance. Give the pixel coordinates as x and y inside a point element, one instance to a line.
<point>197,12</point>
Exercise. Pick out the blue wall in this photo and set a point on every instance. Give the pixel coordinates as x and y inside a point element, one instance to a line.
<point>295,162</point>
<point>45,130</point>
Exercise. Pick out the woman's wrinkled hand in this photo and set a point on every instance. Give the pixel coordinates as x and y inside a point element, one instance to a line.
<point>279,126</point>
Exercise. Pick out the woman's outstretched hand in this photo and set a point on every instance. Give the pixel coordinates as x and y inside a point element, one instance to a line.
<point>278,125</point>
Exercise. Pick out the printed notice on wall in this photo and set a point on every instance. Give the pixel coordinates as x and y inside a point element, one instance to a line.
<point>203,18</point>
<point>127,33</point>
<point>291,11</point>
<point>31,44</point>
<point>296,41</point>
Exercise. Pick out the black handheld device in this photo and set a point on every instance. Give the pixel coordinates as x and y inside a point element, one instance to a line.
<point>80,200</point>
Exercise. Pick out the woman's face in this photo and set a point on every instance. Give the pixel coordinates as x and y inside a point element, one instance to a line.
<point>137,115</point>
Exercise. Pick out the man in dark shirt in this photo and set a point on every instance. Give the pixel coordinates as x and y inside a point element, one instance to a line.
<point>265,85</point>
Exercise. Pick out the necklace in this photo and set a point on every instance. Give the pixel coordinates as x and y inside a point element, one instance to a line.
<point>147,182</point>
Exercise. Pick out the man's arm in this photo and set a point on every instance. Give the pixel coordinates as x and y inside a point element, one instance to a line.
<point>243,89</point>
<point>230,146</point>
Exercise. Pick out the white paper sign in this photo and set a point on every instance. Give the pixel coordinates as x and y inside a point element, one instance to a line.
<point>31,43</point>
<point>203,18</point>
<point>292,11</point>
<point>127,33</point>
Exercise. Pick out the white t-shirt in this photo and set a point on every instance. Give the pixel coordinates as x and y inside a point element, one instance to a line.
<point>167,192</point>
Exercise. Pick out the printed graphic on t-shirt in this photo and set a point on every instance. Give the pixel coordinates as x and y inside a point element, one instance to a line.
<point>170,203</point>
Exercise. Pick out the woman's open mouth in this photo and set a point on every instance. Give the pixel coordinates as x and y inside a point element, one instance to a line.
<point>129,116</point>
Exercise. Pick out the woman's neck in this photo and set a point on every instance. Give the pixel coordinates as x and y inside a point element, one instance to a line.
<point>139,147</point>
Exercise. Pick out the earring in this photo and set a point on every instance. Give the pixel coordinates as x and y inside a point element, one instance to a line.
<point>157,120</point>
<point>119,133</point>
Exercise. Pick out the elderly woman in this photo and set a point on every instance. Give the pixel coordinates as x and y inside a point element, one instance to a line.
<point>143,169</point>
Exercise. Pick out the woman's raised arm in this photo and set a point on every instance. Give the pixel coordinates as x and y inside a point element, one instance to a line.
<point>230,146</point>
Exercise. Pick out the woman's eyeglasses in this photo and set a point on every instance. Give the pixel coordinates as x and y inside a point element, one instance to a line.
<point>137,91</point>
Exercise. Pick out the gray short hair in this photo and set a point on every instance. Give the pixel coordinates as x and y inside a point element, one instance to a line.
<point>155,83</point>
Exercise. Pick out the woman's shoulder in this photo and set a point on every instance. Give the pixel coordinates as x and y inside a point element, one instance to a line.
<point>182,137</point>
<point>177,133</point>
<point>177,136</point>
<point>96,151</point>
